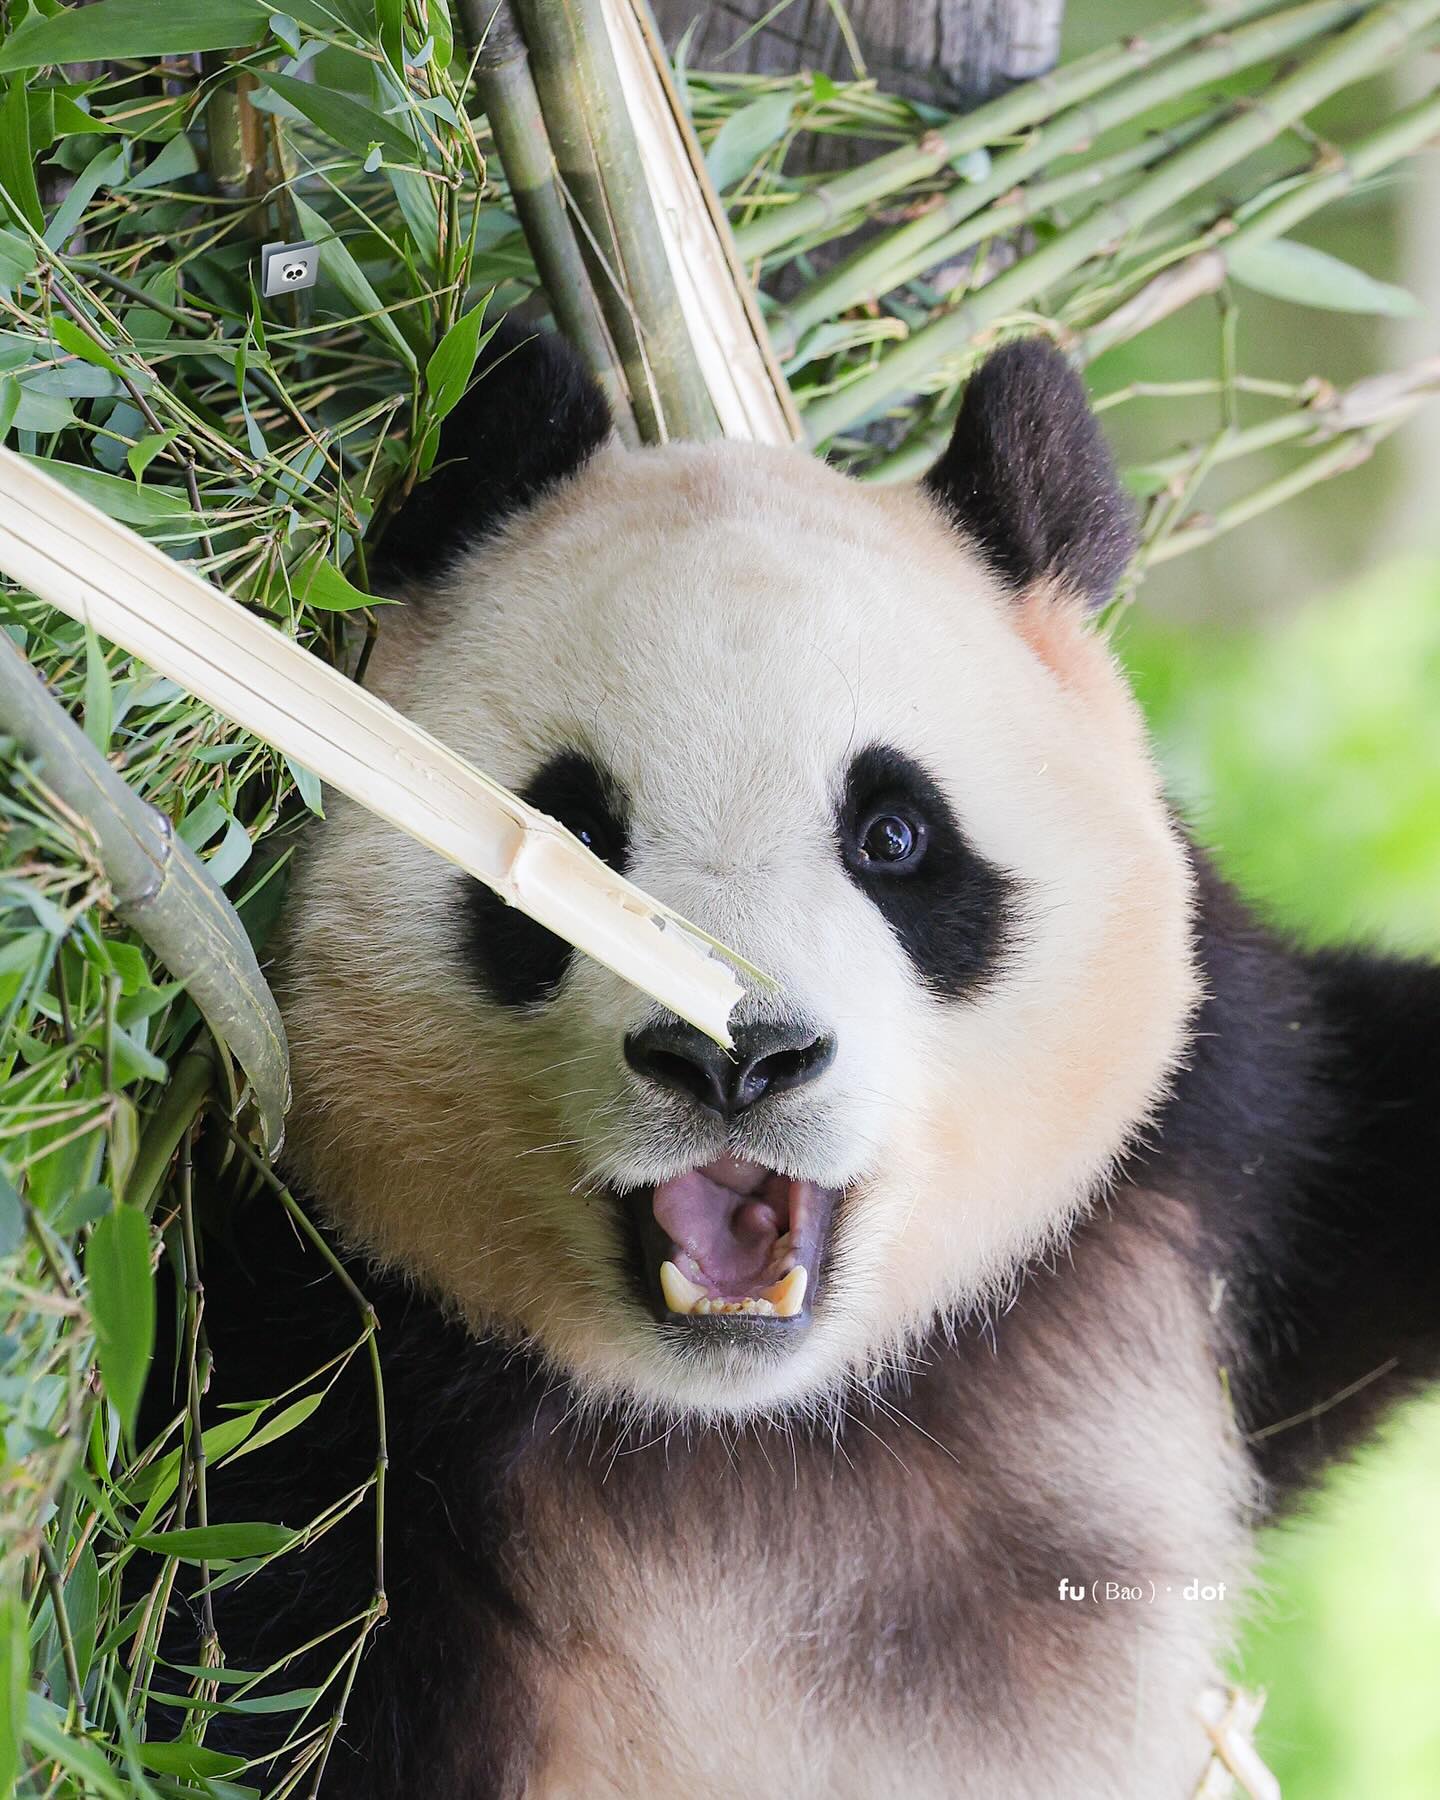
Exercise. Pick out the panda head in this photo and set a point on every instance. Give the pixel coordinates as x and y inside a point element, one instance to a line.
<point>863,736</point>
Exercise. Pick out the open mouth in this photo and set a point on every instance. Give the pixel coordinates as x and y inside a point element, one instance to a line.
<point>735,1240</point>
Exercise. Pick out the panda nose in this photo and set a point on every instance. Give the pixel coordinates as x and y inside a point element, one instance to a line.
<point>767,1059</point>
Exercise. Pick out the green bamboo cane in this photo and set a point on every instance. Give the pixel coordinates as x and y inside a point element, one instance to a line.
<point>870,271</point>
<point>160,887</point>
<point>1204,270</point>
<point>506,91</point>
<point>1384,30</point>
<point>599,163</point>
<point>1207,268</point>
<point>813,305</point>
<point>857,189</point>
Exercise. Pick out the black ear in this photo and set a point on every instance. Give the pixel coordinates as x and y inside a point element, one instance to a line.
<point>531,416</point>
<point>1029,476</point>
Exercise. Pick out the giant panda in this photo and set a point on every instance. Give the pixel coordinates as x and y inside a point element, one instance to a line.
<point>882,1408</point>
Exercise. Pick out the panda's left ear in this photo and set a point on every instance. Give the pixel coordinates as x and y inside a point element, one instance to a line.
<point>1028,475</point>
<point>531,417</point>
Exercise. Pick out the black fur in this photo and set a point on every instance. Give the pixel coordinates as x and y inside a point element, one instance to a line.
<point>1028,475</point>
<point>951,908</point>
<point>531,417</point>
<point>518,960</point>
<point>1305,1134</point>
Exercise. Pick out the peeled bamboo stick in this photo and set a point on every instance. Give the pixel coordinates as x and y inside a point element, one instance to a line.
<point>859,188</point>
<point>73,557</point>
<point>1381,32</point>
<point>160,887</point>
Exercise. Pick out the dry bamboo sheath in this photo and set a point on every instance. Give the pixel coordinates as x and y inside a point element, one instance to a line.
<point>75,558</point>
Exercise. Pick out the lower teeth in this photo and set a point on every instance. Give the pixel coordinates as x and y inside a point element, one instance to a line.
<point>782,1300</point>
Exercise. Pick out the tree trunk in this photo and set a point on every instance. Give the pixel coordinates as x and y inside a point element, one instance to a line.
<point>951,53</point>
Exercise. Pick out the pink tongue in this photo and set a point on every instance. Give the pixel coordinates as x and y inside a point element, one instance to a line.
<point>725,1219</point>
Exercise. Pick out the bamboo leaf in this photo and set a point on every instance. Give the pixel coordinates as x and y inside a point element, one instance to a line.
<point>70,337</point>
<point>219,1543</point>
<point>281,1425</point>
<point>352,124</point>
<point>114,495</point>
<point>1300,273</point>
<point>745,137</point>
<point>122,1305</point>
<point>176,1757</point>
<point>99,693</point>
<point>17,160</point>
<point>117,30</point>
<point>17,259</point>
<point>330,591</point>
<point>447,374</point>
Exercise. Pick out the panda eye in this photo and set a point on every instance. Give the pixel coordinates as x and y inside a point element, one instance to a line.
<point>890,836</point>
<point>597,834</point>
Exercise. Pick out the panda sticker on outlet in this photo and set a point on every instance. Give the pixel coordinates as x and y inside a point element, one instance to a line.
<point>754,1418</point>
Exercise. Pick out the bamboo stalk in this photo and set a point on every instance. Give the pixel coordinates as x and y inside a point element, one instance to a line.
<point>506,91</point>
<point>1353,54</point>
<point>73,557</point>
<point>851,193</point>
<point>160,887</point>
<point>1204,271</point>
<point>869,272</point>
<point>600,165</point>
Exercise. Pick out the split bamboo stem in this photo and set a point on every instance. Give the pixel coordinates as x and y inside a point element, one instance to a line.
<point>1355,53</point>
<point>870,271</point>
<point>600,166</point>
<point>846,195</point>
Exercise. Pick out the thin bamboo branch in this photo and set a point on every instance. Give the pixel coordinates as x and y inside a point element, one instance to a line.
<point>868,272</point>
<point>160,887</point>
<point>857,189</point>
<point>73,557</point>
<point>1355,53</point>
<point>599,163</point>
<point>1346,453</point>
<point>506,91</point>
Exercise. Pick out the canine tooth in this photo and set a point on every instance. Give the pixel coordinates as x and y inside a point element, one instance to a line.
<point>681,1294</point>
<point>788,1294</point>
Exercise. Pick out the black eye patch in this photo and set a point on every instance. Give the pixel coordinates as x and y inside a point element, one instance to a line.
<point>903,848</point>
<point>518,960</point>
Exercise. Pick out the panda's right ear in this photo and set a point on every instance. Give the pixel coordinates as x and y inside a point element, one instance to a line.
<point>531,416</point>
<point>1028,475</point>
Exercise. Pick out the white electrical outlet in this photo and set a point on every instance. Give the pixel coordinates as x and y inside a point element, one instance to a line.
<point>286,268</point>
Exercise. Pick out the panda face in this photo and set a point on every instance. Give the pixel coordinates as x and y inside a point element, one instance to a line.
<point>808,716</point>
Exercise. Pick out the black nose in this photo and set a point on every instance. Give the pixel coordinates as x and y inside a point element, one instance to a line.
<point>767,1058</point>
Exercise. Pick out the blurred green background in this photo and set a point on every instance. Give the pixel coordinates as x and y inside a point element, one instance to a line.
<point>1291,674</point>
